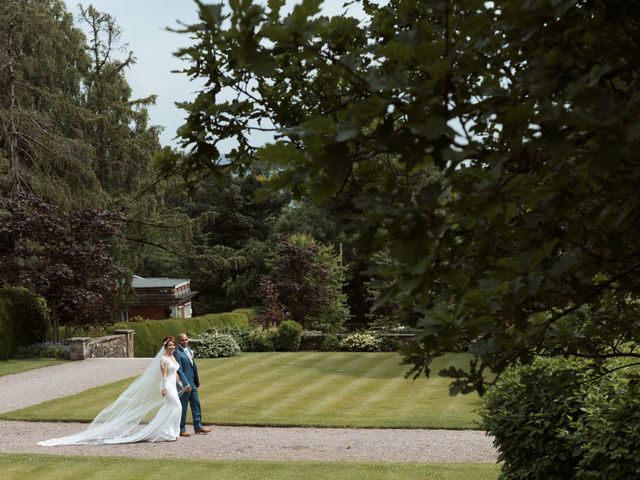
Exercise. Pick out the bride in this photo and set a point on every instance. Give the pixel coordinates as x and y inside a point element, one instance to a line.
<point>155,390</point>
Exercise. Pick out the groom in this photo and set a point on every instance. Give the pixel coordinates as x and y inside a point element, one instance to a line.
<point>188,373</point>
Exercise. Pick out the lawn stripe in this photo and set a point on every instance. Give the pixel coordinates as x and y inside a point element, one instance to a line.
<point>312,389</point>
<point>273,391</point>
<point>345,393</point>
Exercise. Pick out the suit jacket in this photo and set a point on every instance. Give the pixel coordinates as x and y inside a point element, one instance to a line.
<point>188,371</point>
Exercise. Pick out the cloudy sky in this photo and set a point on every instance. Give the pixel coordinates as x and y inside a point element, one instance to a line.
<point>144,24</point>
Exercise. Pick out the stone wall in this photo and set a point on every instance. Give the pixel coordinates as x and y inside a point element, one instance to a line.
<point>118,345</point>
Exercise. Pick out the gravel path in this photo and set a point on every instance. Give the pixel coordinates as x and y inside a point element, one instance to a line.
<point>36,386</point>
<point>223,443</point>
<point>263,443</point>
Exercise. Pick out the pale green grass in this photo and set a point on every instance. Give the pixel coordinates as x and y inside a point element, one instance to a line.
<point>8,367</point>
<point>302,389</point>
<point>54,467</point>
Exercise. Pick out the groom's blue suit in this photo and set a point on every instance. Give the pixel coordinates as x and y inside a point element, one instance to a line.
<point>188,373</point>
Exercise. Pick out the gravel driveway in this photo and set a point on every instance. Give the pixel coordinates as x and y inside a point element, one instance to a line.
<point>223,443</point>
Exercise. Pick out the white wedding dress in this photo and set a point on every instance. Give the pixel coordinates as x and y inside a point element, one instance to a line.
<point>121,422</point>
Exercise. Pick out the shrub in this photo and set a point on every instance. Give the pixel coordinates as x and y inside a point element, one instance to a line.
<point>149,334</point>
<point>24,320</point>
<point>261,339</point>
<point>607,435</point>
<point>389,343</point>
<point>214,345</point>
<point>239,334</point>
<point>311,340</point>
<point>555,419</point>
<point>526,410</point>
<point>287,337</point>
<point>331,343</point>
<point>43,350</point>
<point>305,283</point>
<point>360,342</point>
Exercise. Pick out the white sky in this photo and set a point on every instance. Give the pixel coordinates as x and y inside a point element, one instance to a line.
<point>143,24</point>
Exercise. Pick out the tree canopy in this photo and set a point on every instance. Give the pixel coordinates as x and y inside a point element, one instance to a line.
<point>489,146</point>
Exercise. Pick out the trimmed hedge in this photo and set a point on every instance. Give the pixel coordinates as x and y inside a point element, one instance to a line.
<point>24,319</point>
<point>149,334</point>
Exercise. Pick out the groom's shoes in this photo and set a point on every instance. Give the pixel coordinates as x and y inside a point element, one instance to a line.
<point>203,430</point>
<point>184,434</point>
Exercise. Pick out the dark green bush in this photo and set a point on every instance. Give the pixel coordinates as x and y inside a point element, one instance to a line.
<point>607,434</point>
<point>214,345</point>
<point>43,350</point>
<point>311,340</point>
<point>526,413</point>
<point>331,343</point>
<point>149,334</point>
<point>287,337</point>
<point>556,419</point>
<point>389,343</point>
<point>24,319</point>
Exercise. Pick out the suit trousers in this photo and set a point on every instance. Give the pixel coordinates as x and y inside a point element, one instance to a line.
<point>192,398</point>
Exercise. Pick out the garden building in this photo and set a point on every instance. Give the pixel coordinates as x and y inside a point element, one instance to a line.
<point>158,298</point>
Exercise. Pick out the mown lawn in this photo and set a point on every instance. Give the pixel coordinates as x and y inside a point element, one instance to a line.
<point>302,389</point>
<point>54,467</point>
<point>8,367</point>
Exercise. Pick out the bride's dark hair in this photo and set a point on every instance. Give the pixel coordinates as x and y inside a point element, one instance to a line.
<point>167,339</point>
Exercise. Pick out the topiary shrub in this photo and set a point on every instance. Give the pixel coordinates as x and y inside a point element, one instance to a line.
<point>214,345</point>
<point>24,319</point>
<point>360,342</point>
<point>287,338</point>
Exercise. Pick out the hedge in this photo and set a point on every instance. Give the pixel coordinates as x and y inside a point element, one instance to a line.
<point>149,333</point>
<point>24,320</point>
<point>560,419</point>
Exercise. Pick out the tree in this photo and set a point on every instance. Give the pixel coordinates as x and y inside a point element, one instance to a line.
<point>62,256</point>
<point>522,116</point>
<point>42,64</point>
<point>118,127</point>
<point>304,284</point>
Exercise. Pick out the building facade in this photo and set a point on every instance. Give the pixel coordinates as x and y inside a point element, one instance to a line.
<point>158,298</point>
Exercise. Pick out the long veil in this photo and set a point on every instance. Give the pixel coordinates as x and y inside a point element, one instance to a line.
<point>120,418</point>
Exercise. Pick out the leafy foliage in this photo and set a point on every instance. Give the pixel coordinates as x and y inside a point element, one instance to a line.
<point>214,345</point>
<point>44,350</point>
<point>24,319</point>
<point>42,117</point>
<point>262,339</point>
<point>553,420</point>
<point>288,336</point>
<point>239,333</point>
<point>490,147</point>
<point>149,334</point>
<point>360,342</point>
<point>62,256</point>
<point>304,284</point>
